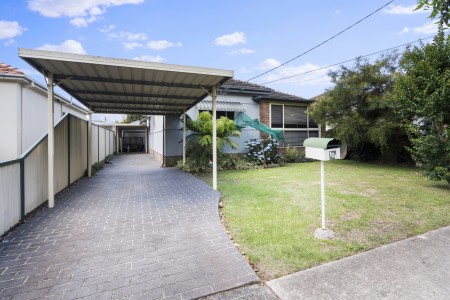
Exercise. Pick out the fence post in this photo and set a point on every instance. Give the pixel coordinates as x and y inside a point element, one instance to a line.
<point>68,151</point>
<point>98,143</point>
<point>22,188</point>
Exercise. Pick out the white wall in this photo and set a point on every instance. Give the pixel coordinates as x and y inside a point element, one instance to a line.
<point>9,120</point>
<point>156,134</point>
<point>24,115</point>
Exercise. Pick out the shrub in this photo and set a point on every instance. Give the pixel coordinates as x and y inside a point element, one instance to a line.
<point>293,154</point>
<point>263,152</point>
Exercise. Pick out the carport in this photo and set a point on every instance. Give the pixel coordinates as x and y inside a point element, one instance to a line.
<point>111,85</point>
<point>122,140</point>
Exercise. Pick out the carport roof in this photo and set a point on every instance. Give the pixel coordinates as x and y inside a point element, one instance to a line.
<point>112,85</point>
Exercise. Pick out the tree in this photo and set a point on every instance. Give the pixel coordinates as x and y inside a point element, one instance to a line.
<point>422,98</point>
<point>131,118</point>
<point>439,8</point>
<point>360,112</point>
<point>199,146</point>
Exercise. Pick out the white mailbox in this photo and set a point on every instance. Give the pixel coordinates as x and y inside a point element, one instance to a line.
<point>322,148</point>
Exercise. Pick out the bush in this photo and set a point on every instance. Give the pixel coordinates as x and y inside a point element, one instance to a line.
<point>263,152</point>
<point>293,154</point>
<point>228,161</point>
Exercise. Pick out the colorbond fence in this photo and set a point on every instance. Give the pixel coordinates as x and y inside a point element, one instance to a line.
<point>24,181</point>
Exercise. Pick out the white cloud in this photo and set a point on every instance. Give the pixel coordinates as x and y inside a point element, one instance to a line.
<point>242,51</point>
<point>402,10</point>
<point>269,63</point>
<point>163,44</point>
<point>150,58</point>
<point>130,40</point>
<point>81,12</point>
<point>231,39</point>
<point>314,78</point>
<point>132,45</point>
<point>10,29</point>
<point>69,46</point>
<point>337,12</point>
<point>404,30</point>
<point>427,28</point>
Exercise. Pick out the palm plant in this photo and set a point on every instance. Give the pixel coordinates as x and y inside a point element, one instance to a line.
<point>199,146</point>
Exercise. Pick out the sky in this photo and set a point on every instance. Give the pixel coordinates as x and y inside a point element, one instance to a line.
<point>247,36</point>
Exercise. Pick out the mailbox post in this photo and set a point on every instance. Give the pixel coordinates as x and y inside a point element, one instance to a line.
<point>323,149</point>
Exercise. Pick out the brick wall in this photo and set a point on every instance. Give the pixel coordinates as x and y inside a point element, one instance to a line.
<point>264,117</point>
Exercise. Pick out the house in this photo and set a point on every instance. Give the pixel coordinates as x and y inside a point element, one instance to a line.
<point>276,110</point>
<point>23,103</point>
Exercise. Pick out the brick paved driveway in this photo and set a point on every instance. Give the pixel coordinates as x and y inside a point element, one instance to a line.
<point>134,231</point>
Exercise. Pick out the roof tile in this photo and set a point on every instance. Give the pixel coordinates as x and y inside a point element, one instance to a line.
<point>7,69</point>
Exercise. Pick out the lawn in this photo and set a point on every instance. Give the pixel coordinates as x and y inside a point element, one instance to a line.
<point>272,213</point>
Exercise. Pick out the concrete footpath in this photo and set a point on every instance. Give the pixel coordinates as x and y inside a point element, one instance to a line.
<point>415,268</point>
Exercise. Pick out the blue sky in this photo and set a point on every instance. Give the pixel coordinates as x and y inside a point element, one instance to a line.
<point>247,36</point>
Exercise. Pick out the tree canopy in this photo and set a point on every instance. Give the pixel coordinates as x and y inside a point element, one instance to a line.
<point>439,9</point>
<point>131,118</point>
<point>360,112</point>
<point>422,99</point>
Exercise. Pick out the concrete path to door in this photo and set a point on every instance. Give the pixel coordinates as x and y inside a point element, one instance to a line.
<point>133,231</point>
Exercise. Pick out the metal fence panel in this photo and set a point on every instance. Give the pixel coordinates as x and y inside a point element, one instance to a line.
<point>9,196</point>
<point>61,172</point>
<point>95,141</point>
<point>36,177</point>
<point>101,143</point>
<point>78,148</point>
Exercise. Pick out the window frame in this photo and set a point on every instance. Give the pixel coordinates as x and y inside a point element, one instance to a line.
<point>307,129</point>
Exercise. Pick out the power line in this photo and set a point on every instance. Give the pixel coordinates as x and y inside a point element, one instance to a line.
<point>346,61</point>
<point>329,39</point>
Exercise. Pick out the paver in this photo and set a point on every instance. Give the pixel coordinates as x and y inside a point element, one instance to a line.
<point>134,230</point>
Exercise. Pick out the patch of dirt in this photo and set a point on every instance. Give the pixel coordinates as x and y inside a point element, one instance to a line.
<point>351,215</point>
<point>355,236</point>
<point>369,193</point>
<point>329,248</point>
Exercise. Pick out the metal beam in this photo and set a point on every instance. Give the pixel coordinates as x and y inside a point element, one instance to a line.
<point>133,102</point>
<point>61,77</point>
<point>51,141</point>
<point>96,109</point>
<point>143,95</point>
<point>121,111</point>
<point>214,136</point>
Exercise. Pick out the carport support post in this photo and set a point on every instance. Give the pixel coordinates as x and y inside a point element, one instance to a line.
<point>51,141</point>
<point>184,138</point>
<point>89,154</point>
<point>214,136</point>
<point>322,193</point>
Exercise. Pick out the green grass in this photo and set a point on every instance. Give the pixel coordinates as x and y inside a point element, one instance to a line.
<point>272,213</point>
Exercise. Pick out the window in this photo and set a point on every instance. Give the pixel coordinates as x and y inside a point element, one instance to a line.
<point>228,114</point>
<point>295,123</point>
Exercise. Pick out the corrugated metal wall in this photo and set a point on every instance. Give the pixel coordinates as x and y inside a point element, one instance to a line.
<point>36,174</point>
<point>9,196</point>
<point>95,144</point>
<point>70,165</point>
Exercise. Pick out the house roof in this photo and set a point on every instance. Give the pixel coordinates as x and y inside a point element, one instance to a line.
<point>260,92</point>
<point>7,69</point>
<point>111,85</point>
